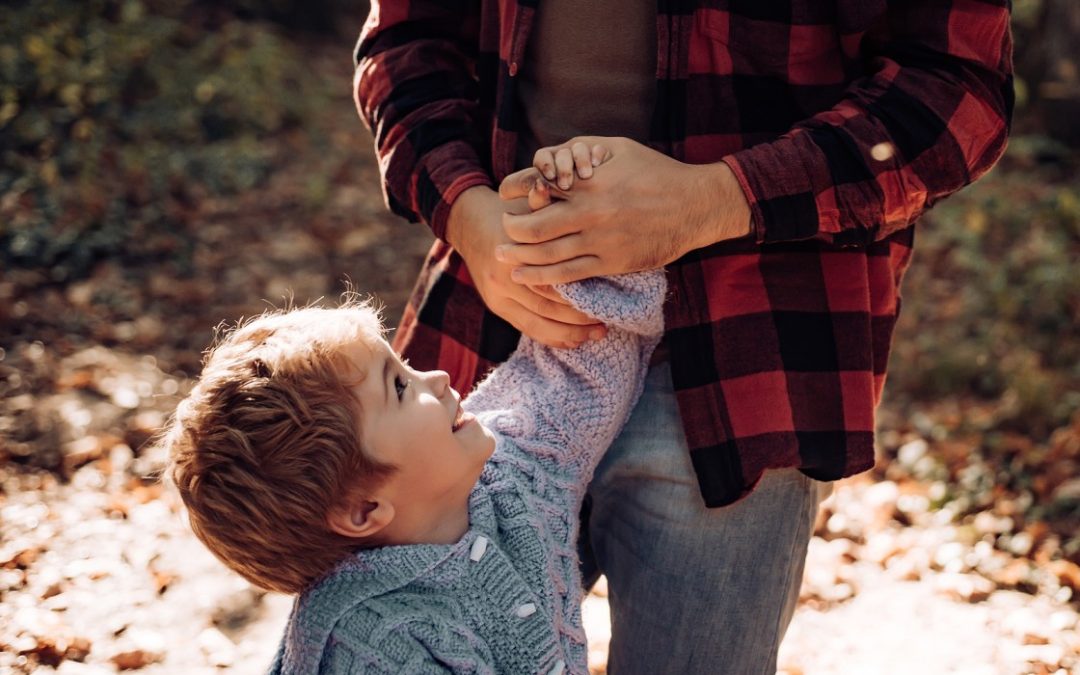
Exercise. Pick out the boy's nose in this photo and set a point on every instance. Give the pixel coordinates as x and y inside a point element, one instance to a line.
<point>439,382</point>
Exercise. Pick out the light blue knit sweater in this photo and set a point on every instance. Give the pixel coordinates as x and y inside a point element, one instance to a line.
<point>507,597</point>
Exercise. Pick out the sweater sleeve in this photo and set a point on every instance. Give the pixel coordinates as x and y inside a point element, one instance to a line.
<point>932,117</point>
<point>415,88</point>
<point>565,407</point>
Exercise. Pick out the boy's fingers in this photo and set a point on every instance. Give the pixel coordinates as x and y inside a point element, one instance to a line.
<point>557,308</point>
<point>600,154</point>
<point>544,160</point>
<point>582,159</point>
<point>549,292</point>
<point>539,195</point>
<point>519,183</point>
<point>552,333</point>
<point>557,311</point>
<point>564,168</point>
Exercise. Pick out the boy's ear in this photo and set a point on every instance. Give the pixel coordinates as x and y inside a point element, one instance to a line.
<point>361,517</point>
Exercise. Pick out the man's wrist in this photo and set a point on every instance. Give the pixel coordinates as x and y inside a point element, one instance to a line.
<point>726,210</point>
<point>463,213</point>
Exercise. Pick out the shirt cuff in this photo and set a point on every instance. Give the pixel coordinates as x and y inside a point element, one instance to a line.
<point>439,217</point>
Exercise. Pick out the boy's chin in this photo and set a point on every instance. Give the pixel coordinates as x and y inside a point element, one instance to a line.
<point>489,438</point>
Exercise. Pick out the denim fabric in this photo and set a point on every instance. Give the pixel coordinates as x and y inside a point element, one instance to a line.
<point>692,590</point>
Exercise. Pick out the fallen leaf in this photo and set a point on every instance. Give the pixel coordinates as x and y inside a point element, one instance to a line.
<point>135,658</point>
<point>1067,573</point>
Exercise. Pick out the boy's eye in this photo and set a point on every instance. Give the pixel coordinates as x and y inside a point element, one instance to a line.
<point>400,386</point>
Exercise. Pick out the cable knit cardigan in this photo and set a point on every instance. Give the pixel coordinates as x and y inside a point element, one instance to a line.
<point>507,597</point>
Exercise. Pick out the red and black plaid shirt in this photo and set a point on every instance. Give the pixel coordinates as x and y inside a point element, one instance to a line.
<point>842,119</point>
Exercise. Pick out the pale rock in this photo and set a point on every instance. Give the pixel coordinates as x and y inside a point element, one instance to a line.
<point>1020,543</point>
<point>950,557</point>
<point>1027,625</point>
<point>1047,654</point>
<point>963,587</point>
<point>841,550</point>
<point>219,650</point>
<point>880,500</point>
<point>904,569</point>
<point>913,505</point>
<point>987,523</point>
<point>880,547</point>
<point>840,525</point>
<point>838,592</point>
<point>76,668</point>
<point>1063,621</point>
<point>1067,491</point>
<point>912,451</point>
<point>82,450</point>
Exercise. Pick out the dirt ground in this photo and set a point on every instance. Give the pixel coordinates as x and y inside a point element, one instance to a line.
<point>106,577</point>
<point>98,572</point>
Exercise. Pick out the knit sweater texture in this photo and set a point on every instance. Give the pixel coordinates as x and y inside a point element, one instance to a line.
<point>506,598</point>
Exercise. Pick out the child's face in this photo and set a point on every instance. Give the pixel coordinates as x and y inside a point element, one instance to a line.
<point>414,421</point>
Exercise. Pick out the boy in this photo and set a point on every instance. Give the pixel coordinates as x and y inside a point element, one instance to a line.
<point>423,534</point>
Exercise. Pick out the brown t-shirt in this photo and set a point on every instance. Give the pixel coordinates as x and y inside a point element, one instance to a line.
<point>590,68</point>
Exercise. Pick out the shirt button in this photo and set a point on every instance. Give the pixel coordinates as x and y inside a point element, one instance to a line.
<point>526,610</point>
<point>479,546</point>
<point>558,669</point>
<point>513,69</point>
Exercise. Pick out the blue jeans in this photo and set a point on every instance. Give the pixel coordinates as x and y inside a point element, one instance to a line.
<point>691,590</point>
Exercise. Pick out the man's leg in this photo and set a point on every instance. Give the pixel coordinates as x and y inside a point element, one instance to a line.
<point>692,590</point>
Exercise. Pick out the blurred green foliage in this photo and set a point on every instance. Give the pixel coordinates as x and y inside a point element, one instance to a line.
<point>117,116</point>
<point>992,301</point>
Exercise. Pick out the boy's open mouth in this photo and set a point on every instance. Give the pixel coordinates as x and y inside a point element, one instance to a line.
<point>459,420</point>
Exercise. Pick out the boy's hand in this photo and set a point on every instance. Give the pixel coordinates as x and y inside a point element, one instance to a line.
<point>475,230</point>
<point>557,163</point>
<point>643,211</point>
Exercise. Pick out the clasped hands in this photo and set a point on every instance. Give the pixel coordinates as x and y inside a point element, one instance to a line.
<point>640,210</point>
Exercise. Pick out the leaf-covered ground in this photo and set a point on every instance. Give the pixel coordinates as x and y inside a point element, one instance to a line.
<point>958,554</point>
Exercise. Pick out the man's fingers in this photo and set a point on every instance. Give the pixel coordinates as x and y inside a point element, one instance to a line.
<point>544,225</point>
<point>564,168</point>
<point>518,184</point>
<point>546,253</point>
<point>582,159</point>
<point>559,273</point>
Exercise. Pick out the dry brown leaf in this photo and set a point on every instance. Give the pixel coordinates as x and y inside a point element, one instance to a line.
<point>1067,573</point>
<point>135,659</point>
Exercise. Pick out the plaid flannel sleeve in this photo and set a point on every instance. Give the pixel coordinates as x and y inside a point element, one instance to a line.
<point>932,117</point>
<point>416,90</point>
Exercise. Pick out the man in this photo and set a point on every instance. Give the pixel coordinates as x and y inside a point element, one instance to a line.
<point>777,156</point>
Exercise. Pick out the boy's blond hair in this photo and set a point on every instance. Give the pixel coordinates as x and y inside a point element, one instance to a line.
<point>268,442</point>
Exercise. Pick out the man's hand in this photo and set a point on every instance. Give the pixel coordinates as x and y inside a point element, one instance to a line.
<point>475,230</point>
<point>640,211</point>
